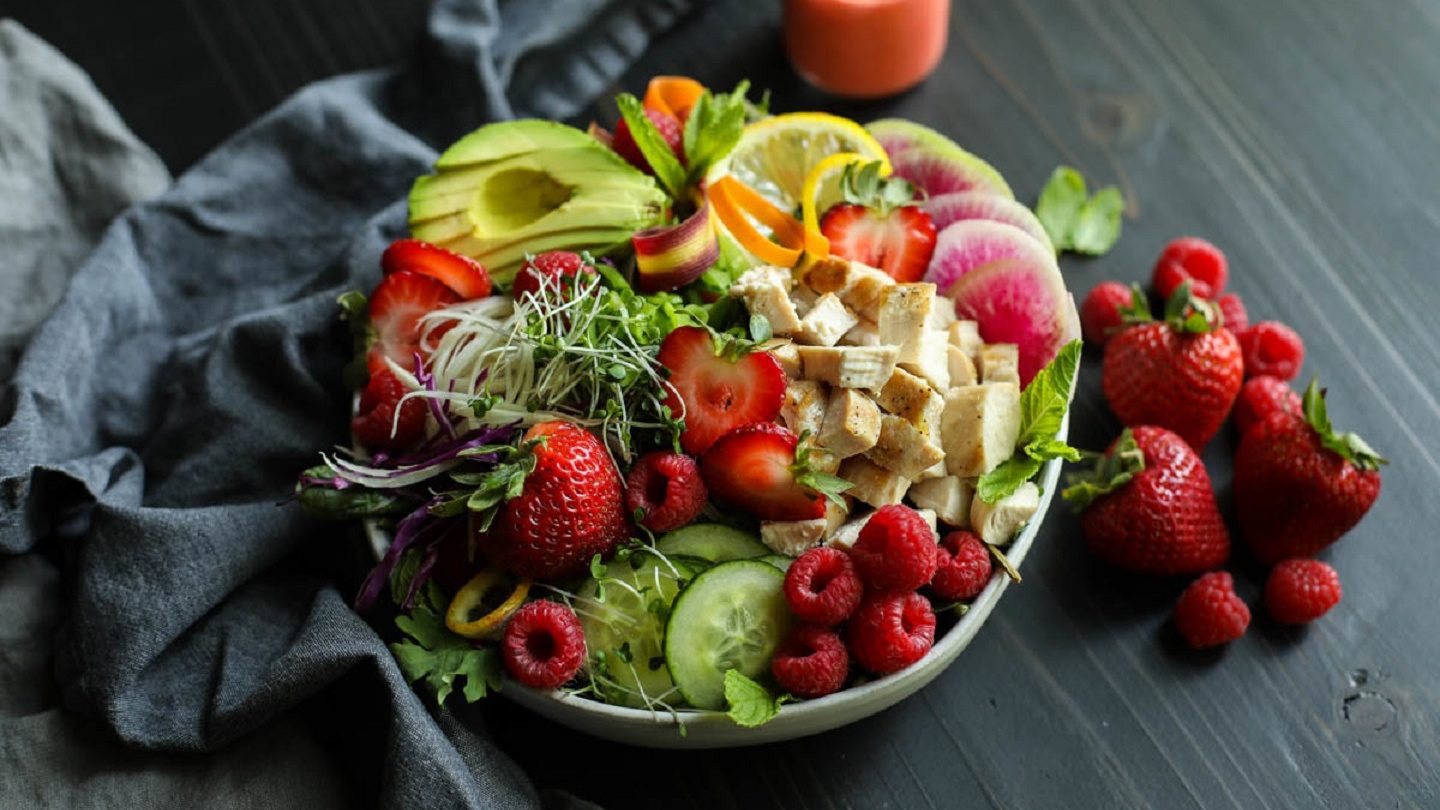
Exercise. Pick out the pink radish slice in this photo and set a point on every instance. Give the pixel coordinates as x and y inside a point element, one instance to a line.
<point>947,171</point>
<point>970,243</point>
<point>1022,302</point>
<point>949,208</point>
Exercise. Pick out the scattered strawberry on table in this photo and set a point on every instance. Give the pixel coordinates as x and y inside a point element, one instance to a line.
<point>1299,484</point>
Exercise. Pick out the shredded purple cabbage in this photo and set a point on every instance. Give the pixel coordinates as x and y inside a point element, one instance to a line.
<point>407,532</point>
<point>422,572</point>
<point>437,409</point>
<point>329,482</point>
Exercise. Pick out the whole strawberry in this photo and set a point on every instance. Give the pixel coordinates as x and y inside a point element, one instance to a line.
<point>570,508</point>
<point>1299,485</point>
<point>1182,373</point>
<point>1148,506</point>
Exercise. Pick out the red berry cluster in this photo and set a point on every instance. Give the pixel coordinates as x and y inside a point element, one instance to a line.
<point>1282,448</point>
<point>867,604</point>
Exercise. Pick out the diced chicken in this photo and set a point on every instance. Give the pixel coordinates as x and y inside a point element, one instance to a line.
<point>962,368</point>
<point>965,335</point>
<point>803,408</point>
<point>766,291</point>
<point>980,426</point>
<point>1000,362</point>
<point>872,483</point>
<point>804,299</point>
<point>911,398</point>
<point>852,423</point>
<point>942,314</point>
<point>822,460</point>
<point>949,496</point>
<point>904,448</point>
<point>835,515</point>
<point>929,357</point>
<point>792,537</point>
<point>859,287</point>
<point>997,523</point>
<point>865,333</point>
<point>827,321</point>
<point>937,471</point>
<point>931,520</point>
<point>848,366</point>
<point>904,308</point>
<point>788,356</point>
<point>845,536</point>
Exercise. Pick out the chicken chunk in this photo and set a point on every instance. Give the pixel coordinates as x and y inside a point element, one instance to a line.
<point>792,537</point>
<point>904,448</point>
<point>852,423</point>
<point>788,356</point>
<point>980,426</point>
<point>848,366</point>
<point>766,291</point>
<point>1000,362</point>
<point>826,322</point>
<point>998,523</point>
<point>949,496</point>
<point>962,368</point>
<point>911,398</point>
<point>928,356</point>
<point>904,308</point>
<point>965,335</point>
<point>872,483</point>
<point>864,333</point>
<point>803,408</point>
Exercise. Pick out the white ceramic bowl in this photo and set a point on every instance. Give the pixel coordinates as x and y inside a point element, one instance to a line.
<point>706,729</point>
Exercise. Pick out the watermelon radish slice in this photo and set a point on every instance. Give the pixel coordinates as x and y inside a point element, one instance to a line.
<point>971,243</point>
<point>1019,301</point>
<point>933,162</point>
<point>949,208</point>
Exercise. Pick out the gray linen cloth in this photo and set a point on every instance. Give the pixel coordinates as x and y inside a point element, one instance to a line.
<point>190,368</point>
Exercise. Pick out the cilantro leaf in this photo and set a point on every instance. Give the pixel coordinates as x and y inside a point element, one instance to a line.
<point>648,139</point>
<point>1074,219</point>
<point>1042,410</point>
<point>442,659</point>
<point>750,704</point>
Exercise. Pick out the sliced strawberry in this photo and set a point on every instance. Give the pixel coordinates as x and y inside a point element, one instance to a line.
<point>547,269</point>
<point>375,423</point>
<point>717,393</point>
<point>670,129</point>
<point>900,243</point>
<point>467,277</point>
<point>753,468</point>
<point>395,309</point>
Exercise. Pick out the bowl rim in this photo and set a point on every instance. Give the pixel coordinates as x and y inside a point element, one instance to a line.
<point>946,646</point>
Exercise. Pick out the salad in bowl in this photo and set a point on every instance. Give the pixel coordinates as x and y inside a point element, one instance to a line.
<point>721,426</point>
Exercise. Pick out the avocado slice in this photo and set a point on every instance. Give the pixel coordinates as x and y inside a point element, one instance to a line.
<point>523,187</point>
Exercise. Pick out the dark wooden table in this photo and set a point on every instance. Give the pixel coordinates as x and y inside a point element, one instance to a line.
<point>1303,136</point>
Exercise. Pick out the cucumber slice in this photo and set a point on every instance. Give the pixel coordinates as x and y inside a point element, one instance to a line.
<point>625,632</point>
<point>733,616</point>
<point>711,541</point>
<point>778,560</point>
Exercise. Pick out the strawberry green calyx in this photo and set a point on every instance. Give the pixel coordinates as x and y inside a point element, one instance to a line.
<point>1349,445</point>
<point>864,186</point>
<point>1110,473</point>
<point>832,487</point>
<point>1139,310</point>
<point>1188,314</point>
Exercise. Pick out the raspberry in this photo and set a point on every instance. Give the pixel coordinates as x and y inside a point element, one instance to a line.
<point>1193,258</point>
<point>1209,612</point>
<point>891,631</point>
<point>670,130</point>
<point>375,424</point>
<point>547,268</point>
<point>1260,397</point>
<point>1100,313</point>
<point>666,489</point>
<point>1301,590</point>
<point>895,550</point>
<point>963,569</point>
<point>544,645</point>
<point>811,662</point>
<point>1237,320</point>
<point>1272,348</point>
<point>822,586</point>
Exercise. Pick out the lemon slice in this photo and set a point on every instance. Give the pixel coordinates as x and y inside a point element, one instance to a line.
<point>775,155</point>
<point>822,186</point>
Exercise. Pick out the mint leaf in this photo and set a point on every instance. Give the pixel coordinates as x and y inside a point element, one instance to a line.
<point>1097,226</point>
<point>750,704</point>
<point>1059,205</point>
<point>713,128</point>
<point>1074,219</point>
<point>1042,410</point>
<point>442,659</point>
<point>647,138</point>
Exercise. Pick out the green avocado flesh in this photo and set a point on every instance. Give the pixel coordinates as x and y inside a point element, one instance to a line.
<point>523,187</point>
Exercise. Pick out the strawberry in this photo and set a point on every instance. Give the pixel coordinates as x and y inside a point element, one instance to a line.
<point>462,274</point>
<point>1100,313</point>
<point>395,309</point>
<point>547,269</point>
<point>718,391</point>
<point>670,129</point>
<point>1299,485</point>
<point>570,508</point>
<point>879,225</point>
<point>375,423</point>
<point>761,468</point>
<point>1182,373</point>
<point>1148,506</point>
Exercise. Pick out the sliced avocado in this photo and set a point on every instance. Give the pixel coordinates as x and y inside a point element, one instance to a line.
<point>522,187</point>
